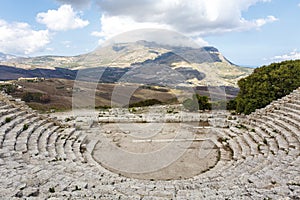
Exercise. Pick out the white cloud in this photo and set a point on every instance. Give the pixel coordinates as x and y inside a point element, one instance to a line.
<point>76,3</point>
<point>294,55</point>
<point>65,18</point>
<point>260,22</point>
<point>196,18</point>
<point>112,26</point>
<point>19,38</point>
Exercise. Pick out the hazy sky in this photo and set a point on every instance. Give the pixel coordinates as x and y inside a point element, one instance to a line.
<point>247,32</point>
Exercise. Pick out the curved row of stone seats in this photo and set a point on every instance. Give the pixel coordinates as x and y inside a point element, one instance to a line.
<point>11,136</point>
<point>292,118</point>
<point>10,122</point>
<point>228,140</point>
<point>264,134</point>
<point>238,167</point>
<point>68,146</point>
<point>27,133</point>
<point>286,123</point>
<point>243,166</point>
<point>252,168</point>
<point>4,109</point>
<point>22,139</point>
<point>250,177</point>
<point>61,143</point>
<point>247,140</point>
<point>43,140</point>
<point>78,147</point>
<point>32,141</point>
<point>281,128</point>
<point>10,115</point>
<point>268,135</point>
<point>291,107</point>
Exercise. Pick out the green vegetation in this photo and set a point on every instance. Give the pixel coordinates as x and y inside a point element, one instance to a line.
<point>219,105</point>
<point>25,127</point>
<point>7,119</point>
<point>8,88</point>
<point>241,126</point>
<point>172,111</point>
<point>132,110</point>
<point>105,107</point>
<point>52,190</point>
<point>148,102</point>
<point>266,84</point>
<point>197,103</point>
<point>231,104</point>
<point>36,97</point>
<point>159,89</point>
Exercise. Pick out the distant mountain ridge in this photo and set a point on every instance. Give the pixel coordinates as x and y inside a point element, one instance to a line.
<point>145,63</point>
<point>6,57</point>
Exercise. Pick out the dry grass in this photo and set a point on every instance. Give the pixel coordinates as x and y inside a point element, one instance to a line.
<point>61,91</point>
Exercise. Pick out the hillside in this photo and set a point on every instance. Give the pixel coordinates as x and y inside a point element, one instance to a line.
<point>142,62</point>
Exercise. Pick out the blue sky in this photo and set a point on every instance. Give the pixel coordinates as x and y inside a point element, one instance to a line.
<point>247,32</point>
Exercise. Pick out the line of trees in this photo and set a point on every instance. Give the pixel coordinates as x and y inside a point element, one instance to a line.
<point>35,97</point>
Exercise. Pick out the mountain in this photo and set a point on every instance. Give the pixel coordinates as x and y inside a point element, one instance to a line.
<point>13,73</point>
<point>146,63</point>
<point>6,57</point>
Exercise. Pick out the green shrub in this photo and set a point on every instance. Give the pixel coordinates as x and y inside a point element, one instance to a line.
<point>190,105</point>
<point>266,84</point>
<point>231,104</point>
<point>52,190</point>
<point>8,88</point>
<point>148,102</point>
<point>132,110</point>
<point>25,127</point>
<point>219,105</point>
<point>35,97</point>
<point>7,119</point>
<point>197,103</point>
<point>105,107</point>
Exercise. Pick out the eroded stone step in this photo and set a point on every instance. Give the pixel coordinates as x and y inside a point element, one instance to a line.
<point>32,143</point>
<point>79,147</point>
<point>43,139</point>
<point>60,142</point>
<point>22,139</point>
<point>10,124</point>
<point>291,118</point>
<point>11,137</point>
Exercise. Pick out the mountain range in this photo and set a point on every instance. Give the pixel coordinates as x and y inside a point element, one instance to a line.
<point>6,57</point>
<point>140,62</point>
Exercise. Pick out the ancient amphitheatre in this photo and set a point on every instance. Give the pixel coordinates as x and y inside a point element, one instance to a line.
<point>255,157</point>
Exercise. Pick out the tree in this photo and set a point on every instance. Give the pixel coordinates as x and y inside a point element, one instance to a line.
<point>231,104</point>
<point>197,103</point>
<point>203,102</point>
<point>266,84</point>
<point>190,105</point>
<point>36,97</point>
